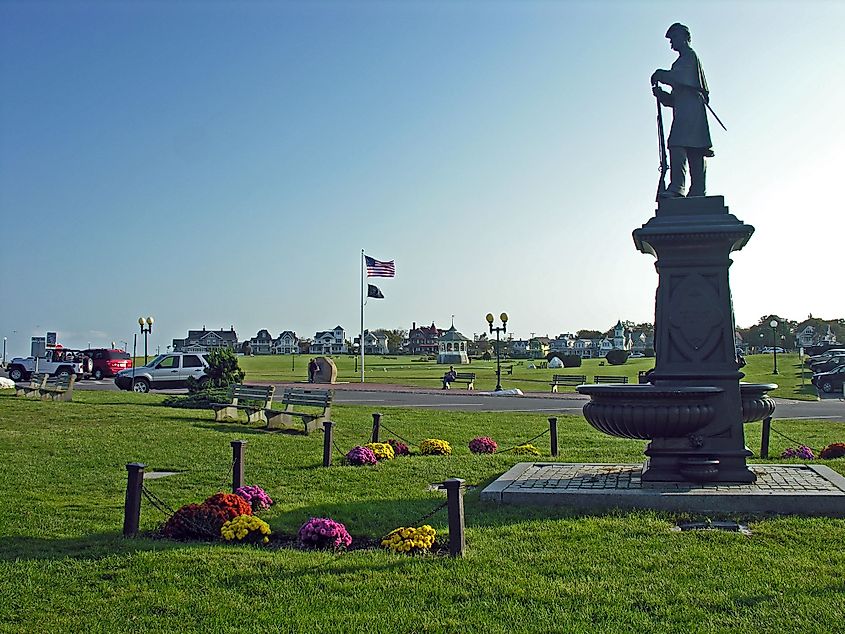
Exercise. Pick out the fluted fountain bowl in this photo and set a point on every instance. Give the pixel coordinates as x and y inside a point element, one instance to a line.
<point>756,404</point>
<point>647,411</point>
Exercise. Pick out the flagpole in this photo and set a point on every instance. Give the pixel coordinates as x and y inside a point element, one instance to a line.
<point>361,339</point>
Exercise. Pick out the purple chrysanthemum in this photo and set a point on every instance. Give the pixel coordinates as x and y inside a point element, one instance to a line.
<point>256,496</point>
<point>399,448</point>
<point>802,453</point>
<point>322,532</point>
<point>359,456</point>
<point>483,444</point>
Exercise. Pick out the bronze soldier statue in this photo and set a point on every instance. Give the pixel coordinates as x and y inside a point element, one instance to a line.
<point>689,138</point>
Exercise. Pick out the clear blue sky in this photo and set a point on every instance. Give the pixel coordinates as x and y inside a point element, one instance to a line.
<point>224,163</point>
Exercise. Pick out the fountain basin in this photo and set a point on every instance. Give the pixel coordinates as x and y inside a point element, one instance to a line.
<point>647,411</point>
<point>756,404</point>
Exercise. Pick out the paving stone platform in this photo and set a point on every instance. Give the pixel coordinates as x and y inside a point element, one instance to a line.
<point>791,489</point>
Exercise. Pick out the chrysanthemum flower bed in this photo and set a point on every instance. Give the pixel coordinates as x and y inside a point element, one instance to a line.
<point>525,450</point>
<point>381,450</point>
<point>399,448</point>
<point>256,496</point>
<point>322,532</point>
<point>435,447</point>
<point>246,529</point>
<point>483,444</point>
<point>802,453</point>
<point>204,521</point>
<point>834,450</point>
<point>410,540</point>
<point>361,456</point>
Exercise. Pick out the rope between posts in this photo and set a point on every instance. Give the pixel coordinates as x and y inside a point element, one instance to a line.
<point>540,435</point>
<point>405,440</point>
<point>338,449</point>
<point>430,514</point>
<point>815,451</point>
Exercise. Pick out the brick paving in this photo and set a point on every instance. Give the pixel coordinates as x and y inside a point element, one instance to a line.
<point>780,488</point>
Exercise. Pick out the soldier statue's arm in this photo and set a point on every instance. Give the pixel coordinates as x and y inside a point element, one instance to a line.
<point>685,73</point>
<point>665,98</point>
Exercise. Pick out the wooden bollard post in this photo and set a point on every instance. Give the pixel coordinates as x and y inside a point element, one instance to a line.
<point>238,447</point>
<point>455,503</point>
<point>553,434</point>
<point>376,425</point>
<point>132,506</point>
<point>764,440</point>
<point>328,441</point>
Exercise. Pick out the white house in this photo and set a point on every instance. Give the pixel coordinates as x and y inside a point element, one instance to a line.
<point>286,343</point>
<point>374,342</point>
<point>262,342</point>
<point>329,342</point>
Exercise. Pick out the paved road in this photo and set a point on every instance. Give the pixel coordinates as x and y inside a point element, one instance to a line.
<point>832,409</point>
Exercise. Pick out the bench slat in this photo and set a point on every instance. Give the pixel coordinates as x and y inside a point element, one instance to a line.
<point>599,378</point>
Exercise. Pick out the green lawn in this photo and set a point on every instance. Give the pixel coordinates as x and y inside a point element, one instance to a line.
<point>64,566</point>
<point>405,370</point>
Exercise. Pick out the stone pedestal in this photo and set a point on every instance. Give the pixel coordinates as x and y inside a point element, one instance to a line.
<point>692,239</point>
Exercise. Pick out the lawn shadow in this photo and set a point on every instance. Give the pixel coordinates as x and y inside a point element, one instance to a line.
<point>91,547</point>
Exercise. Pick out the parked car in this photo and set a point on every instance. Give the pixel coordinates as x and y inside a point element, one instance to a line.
<point>107,362</point>
<point>636,355</point>
<point>831,381</point>
<point>826,366</point>
<point>826,356</point>
<point>56,362</point>
<point>770,350</point>
<point>166,371</point>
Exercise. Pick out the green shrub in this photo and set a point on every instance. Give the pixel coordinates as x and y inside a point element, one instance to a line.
<point>617,357</point>
<point>198,400</point>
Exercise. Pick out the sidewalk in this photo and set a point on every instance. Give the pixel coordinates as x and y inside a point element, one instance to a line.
<point>412,389</point>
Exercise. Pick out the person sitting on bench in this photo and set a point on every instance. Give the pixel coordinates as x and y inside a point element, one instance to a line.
<point>450,376</point>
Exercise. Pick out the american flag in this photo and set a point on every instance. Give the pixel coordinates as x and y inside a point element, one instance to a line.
<point>376,268</point>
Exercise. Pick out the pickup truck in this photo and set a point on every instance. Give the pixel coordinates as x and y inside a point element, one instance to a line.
<point>57,362</point>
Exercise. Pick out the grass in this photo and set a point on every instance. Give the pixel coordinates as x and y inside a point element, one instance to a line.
<point>64,566</point>
<point>405,370</point>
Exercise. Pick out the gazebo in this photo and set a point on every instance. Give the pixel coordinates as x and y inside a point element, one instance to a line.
<point>452,348</point>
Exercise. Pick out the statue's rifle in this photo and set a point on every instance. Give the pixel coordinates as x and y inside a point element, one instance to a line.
<point>661,139</point>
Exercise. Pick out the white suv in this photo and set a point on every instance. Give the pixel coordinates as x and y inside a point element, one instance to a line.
<point>166,371</point>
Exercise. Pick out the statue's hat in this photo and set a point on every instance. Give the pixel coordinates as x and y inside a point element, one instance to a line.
<point>678,27</point>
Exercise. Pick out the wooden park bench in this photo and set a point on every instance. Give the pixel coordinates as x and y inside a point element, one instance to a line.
<point>508,369</point>
<point>30,389</point>
<point>301,397</point>
<point>601,378</point>
<point>58,388</point>
<point>463,377</point>
<point>253,399</point>
<point>567,379</point>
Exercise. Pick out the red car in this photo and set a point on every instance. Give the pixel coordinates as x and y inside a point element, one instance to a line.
<point>108,362</point>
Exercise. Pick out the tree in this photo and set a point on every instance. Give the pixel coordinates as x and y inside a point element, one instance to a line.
<point>395,338</point>
<point>589,334</point>
<point>223,369</point>
<point>481,346</point>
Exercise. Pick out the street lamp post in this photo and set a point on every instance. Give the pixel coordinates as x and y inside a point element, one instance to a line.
<point>774,325</point>
<point>497,330</point>
<point>146,329</point>
<point>4,352</point>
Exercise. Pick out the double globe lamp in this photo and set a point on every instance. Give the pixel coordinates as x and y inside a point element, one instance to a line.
<point>497,330</point>
<point>146,329</point>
